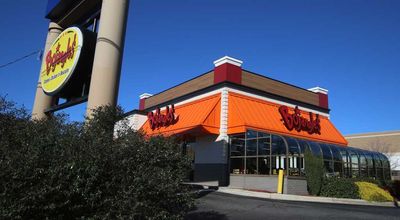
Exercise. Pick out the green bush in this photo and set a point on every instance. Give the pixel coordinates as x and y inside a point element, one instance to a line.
<point>339,188</point>
<point>57,169</point>
<point>314,169</point>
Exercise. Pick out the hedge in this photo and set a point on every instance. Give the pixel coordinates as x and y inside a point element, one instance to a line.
<point>56,169</point>
<point>339,188</point>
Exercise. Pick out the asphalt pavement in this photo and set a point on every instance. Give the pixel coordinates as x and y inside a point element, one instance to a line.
<point>217,205</point>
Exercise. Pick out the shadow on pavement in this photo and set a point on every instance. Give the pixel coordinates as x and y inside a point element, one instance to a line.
<point>207,215</point>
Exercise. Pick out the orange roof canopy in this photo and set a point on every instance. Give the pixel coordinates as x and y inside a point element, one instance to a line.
<point>200,116</point>
<point>251,113</point>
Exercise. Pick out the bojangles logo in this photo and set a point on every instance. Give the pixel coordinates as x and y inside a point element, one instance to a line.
<point>59,56</point>
<point>299,123</point>
<point>158,120</point>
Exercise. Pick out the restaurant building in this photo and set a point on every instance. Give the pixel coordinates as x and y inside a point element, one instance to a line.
<point>240,128</point>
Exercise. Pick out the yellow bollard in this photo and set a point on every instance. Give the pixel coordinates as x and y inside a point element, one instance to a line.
<point>280,181</point>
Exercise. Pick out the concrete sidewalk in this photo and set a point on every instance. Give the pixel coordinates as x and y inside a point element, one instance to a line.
<point>287,197</point>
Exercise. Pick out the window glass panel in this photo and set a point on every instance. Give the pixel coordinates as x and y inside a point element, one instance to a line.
<point>368,156</point>
<point>370,164</point>
<point>302,172</point>
<point>336,153</point>
<point>363,164</point>
<point>303,146</point>
<point>345,155</point>
<point>251,134</point>
<point>251,165</point>
<point>264,164</point>
<point>353,157</point>
<point>237,165</point>
<point>294,165</point>
<point>377,160</point>
<point>363,159</point>
<point>346,169</point>
<point>385,161</point>
<point>293,157</point>
<point>264,146</point>
<point>337,168</point>
<point>292,146</point>
<point>315,149</point>
<point>326,152</point>
<point>328,165</point>
<point>251,147</point>
<point>379,172</point>
<point>261,134</point>
<point>237,147</point>
<point>354,163</point>
<point>278,162</point>
<point>278,146</point>
<point>386,173</point>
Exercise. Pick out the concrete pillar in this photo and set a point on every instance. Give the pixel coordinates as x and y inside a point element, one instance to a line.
<point>43,101</point>
<point>106,71</point>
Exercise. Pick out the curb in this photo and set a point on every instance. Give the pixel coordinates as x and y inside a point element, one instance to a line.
<point>287,197</point>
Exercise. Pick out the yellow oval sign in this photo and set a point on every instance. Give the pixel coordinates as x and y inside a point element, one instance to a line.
<point>61,60</point>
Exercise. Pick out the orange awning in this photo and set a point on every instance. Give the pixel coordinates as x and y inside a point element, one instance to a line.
<point>250,113</point>
<point>200,116</point>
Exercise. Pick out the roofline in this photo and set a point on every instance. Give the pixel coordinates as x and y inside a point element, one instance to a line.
<point>374,134</point>
<point>183,82</point>
<point>279,81</point>
<point>240,87</point>
<point>238,84</point>
<point>134,111</point>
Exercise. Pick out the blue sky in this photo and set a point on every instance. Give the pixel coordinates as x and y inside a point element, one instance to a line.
<point>350,47</point>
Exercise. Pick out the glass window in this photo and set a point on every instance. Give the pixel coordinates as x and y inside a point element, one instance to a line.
<point>261,134</point>
<point>315,149</point>
<point>278,154</point>
<point>328,165</point>
<point>258,153</point>
<point>293,146</point>
<point>251,134</point>
<point>338,168</point>
<point>378,166</point>
<point>336,153</point>
<point>237,147</point>
<point>293,157</point>
<point>251,165</point>
<point>355,172</point>
<point>370,164</point>
<point>326,152</point>
<point>303,146</point>
<point>237,165</point>
<point>363,164</point>
<point>251,147</point>
<point>278,145</point>
<point>345,161</point>
<point>385,167</point>
<point>264,164</point>
<point>264,146</point>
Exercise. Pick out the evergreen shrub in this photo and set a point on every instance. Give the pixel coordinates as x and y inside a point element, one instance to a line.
<point>314,169</point>
<point>56,169</point>
<point>339,188</point>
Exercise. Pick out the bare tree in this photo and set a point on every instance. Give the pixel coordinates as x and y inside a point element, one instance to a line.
<point>388,150</point>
